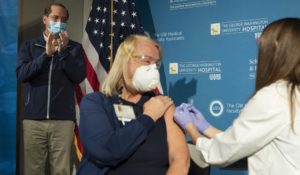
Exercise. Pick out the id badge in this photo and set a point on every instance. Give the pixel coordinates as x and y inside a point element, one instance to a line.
<point>124,113</point>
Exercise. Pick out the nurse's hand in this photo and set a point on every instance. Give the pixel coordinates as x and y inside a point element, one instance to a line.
<point>182,115</point>
<point>157,106</point>
<point>198,119</point>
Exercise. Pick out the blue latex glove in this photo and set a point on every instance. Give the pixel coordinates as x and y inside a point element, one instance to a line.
<point>182,115</point>
<point>198,119</point>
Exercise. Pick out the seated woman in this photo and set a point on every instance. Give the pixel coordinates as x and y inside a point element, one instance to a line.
<point>127,129</point>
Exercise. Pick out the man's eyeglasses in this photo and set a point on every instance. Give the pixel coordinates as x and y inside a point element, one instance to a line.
<point>146,60</point>
<point>57,18</point>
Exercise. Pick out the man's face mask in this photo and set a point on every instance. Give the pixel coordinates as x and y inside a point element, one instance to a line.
<point>57,27</point>
<point>146,78</point>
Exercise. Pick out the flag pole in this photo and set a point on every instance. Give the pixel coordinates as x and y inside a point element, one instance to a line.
<point>111,32</point>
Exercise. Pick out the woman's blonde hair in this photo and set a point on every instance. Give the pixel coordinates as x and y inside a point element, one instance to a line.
<point>118,73</point>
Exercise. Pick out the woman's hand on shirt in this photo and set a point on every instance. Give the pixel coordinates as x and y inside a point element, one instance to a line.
<point>157,106</point>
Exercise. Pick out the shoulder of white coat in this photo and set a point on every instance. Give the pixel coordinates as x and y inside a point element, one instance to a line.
<point>275,93</point>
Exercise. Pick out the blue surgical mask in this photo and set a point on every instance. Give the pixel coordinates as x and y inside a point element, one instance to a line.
<point>56,27</point>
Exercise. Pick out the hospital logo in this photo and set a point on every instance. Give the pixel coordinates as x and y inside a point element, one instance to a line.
<point>215,29</point>
<point>216,108</point>
<point>173,68</point>
<point>215,76</point>
<point>257,36</point>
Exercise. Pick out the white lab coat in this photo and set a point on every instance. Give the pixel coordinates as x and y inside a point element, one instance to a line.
<point>262,132</point>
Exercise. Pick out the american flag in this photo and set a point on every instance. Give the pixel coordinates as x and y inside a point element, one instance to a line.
<point>109,22</point>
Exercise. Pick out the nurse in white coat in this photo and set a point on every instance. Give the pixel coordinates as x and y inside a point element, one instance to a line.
<point>267,131</point>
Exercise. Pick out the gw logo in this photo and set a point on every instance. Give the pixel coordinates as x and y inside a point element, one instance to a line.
<point>216,108</point>
<point>215,77</point>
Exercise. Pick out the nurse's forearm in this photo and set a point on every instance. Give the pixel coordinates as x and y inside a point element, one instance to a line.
<point>211,132</point>
<point>193,132</point>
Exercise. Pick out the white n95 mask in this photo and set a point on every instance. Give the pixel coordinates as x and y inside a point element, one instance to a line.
<point>146,78</point>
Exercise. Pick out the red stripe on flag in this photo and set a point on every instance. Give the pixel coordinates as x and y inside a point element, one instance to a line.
<point>79,93</point>
<point>98,39</point>
<point>91,74</point>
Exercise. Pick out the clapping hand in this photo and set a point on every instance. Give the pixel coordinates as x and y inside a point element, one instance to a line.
<point>51,44</point>
<point>63,41</point>
<point>54,44</point>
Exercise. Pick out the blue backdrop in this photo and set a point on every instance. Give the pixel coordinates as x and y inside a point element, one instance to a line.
<point>8,55</point>
<point>210,51</point>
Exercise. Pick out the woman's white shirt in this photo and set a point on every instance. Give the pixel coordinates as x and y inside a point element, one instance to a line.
<point>262,132</point>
